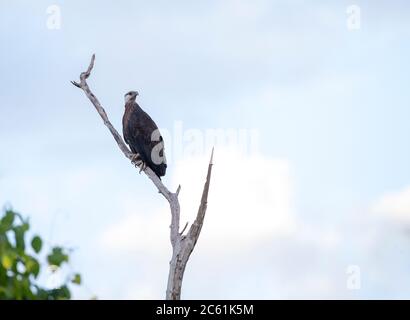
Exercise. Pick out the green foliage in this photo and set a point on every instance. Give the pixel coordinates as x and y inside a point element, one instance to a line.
<point>37,244</point>
<point>57,257</point>
<point>19,269</point>
<point>76,279</point>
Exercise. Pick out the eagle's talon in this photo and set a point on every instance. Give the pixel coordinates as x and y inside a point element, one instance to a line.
<point>135,159</point>
<point>138,164</point>
<point>143,166</point>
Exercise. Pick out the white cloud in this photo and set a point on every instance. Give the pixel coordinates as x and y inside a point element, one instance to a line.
<point>395,205</point>
<point>250,233</point>
<point>249,200</point>
<point>250,197</point>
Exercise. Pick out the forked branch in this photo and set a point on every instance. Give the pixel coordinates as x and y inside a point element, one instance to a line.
<point>182,246</point>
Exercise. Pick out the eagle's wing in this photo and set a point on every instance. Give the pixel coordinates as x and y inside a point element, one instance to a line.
<point>142,135</point>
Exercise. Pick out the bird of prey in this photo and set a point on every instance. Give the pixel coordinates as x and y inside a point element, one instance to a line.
<point>142,135</point>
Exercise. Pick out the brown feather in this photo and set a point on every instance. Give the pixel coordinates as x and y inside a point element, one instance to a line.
<point>138,129</point>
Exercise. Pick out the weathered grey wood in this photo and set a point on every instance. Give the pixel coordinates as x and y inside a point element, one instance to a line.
<point>182,245</point>
<point>186,244</point>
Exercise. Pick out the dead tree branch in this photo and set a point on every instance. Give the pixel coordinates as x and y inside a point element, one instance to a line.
<point>182,246</point>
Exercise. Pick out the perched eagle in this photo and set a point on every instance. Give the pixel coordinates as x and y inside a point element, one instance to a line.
<point>142,135</point>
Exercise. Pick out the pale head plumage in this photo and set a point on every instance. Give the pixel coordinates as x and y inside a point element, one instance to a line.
<point>130,96</point>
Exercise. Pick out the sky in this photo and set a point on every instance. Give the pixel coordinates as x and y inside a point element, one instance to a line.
<point>306,104</point>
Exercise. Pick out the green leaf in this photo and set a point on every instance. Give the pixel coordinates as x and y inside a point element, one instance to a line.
<point>19,233</point>
<point>61,293</point>
<point>57,257</point>
<point>37,244</point>
<point>32,266</point>
<point>6,292</point>
<point>7,261</point>
<point>77,279</point>
<point>7,221</point>
<point>64,293</point>
<point>42,294</point>
<point>18,288</point>
<point>4,242</point>
<point>27,293</point>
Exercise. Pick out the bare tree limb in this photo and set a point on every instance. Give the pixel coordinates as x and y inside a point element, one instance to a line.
<point>84,86</point>
<point>182,251</point>
<point>182,246</point>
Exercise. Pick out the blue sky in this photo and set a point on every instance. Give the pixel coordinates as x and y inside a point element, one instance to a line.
<point>329,182</point>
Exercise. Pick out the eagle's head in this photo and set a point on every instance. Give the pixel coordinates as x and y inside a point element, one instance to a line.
<point>130,96</point>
